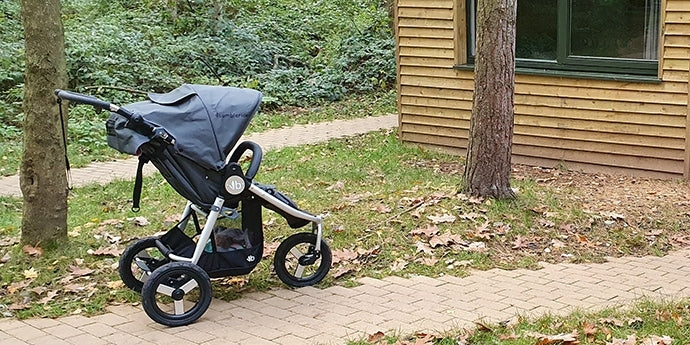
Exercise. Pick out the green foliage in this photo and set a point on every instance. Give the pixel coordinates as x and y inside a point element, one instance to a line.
<point>298,53</point>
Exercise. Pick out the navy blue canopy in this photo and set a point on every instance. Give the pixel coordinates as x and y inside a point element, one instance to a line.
<point>206,121</point>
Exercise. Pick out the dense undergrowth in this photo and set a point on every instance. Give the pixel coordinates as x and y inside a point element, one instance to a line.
<point>298,53</point>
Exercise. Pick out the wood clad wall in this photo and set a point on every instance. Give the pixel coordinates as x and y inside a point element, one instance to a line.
<point>586,124</point>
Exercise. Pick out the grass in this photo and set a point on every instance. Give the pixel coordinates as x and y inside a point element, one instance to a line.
<point>390,209</point>
<point>646,321</point>
<point>87,141</point>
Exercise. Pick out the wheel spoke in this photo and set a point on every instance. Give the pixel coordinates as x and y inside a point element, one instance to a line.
<point>299,271</point>
<point>166,290</point>
<point>144,276</point>
<point>188,286</point>
<point>296,252</point>
<point>179,307</point>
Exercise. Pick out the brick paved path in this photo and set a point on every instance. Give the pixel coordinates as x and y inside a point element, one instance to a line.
<point>337,314</point>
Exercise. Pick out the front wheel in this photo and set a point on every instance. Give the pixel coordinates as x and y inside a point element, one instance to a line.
<point>298,264</point>
<point>138,261</point>
<point>176,294</point>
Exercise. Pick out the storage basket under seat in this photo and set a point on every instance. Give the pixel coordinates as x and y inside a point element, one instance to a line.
<point>217,262</point>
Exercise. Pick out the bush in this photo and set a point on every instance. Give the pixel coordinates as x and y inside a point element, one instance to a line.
<point>296,52</point>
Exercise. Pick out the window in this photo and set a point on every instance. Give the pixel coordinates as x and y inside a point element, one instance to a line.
<point>611,36</point>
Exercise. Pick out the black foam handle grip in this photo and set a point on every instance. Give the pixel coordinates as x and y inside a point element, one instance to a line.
<point>257,155</point>
<point>83,99</point>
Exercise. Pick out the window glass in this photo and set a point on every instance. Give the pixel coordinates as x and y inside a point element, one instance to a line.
<point>610,36</point>
<point>537,30</point>
<point>627,29</point>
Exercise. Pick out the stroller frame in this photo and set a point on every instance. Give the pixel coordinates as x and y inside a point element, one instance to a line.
<point>173,271</point>
<point>216,210</point>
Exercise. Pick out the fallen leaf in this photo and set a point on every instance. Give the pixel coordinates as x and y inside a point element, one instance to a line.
<point>631,340</point>
<point>475,199</point>
<point>270,248</point>
<point>441,240</point>
<point>635,323</point>
<point>49,297</point>
<point>611,322</point>
<point>429,231</point>
<point>5,258</point>
<point>107,251</point>
<point>381,208</point>
<point>115,284</point>
<point>8,241</point>
<point>32,251</point>
<point>424,247</point>
<point>80,272</point>
<point>31,273</point>
<point>20,305</point>
<point>471,216</point>
<point>427,261</point>
<point>17,286</point>
<point>656,340</point>
<point>561,339</point>
<point>336,186</point>
<point>234,281</point>
<point>113,222</point>
<point>589,329</point>
<point>445,218</point>
<point>341,272</point>
<point>424,339</point>
<point>557,244</point>
<point>478,247</point>
<point>373,338</point>
<point>483,327</point>
<point>520,242</point>
<point>140,221</point>
<point>343,255</point>
<point>399,265</point>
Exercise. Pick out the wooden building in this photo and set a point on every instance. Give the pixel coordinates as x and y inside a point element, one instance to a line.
<point>587,96</point>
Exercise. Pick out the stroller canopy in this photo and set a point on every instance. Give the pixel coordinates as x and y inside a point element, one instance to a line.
<point>206,121</point>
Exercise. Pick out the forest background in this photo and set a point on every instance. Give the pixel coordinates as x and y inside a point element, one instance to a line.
<point>298,53</point>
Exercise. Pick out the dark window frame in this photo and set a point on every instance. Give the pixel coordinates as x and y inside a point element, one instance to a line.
<point>565,62</point>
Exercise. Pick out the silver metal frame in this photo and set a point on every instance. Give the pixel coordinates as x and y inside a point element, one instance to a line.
<point>217,211</point>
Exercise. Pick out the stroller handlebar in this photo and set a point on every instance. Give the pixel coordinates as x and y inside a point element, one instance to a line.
<point>256,157</point>
<point>86,99</point>
<point>136,122</point>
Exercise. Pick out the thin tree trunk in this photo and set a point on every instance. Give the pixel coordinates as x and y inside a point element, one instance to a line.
<point>42,173</point>
<point>487,170</point>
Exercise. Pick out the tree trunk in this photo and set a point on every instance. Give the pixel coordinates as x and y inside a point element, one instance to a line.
<point>487,170</point>
<point>42,173</point>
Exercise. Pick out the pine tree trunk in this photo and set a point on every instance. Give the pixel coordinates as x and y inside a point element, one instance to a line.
<point>42,173</point>
<point>487,170</point>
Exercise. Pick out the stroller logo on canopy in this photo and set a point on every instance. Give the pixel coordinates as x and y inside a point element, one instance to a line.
<point>234,185</point>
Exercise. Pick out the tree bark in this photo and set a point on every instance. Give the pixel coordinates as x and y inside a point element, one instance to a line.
<point>487,170</point>
<point>42,174</point>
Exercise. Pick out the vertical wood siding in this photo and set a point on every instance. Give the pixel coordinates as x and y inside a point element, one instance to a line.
<point>586,124</point>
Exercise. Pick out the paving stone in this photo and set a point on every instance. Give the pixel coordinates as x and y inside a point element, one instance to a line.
<point>98,329</point>
<point>26,332</point>
<point>86,339</point>
<point>48,339</point>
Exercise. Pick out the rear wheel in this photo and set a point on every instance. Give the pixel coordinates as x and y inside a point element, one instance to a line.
<point>298,264</point>
<point>138,261</point>
<point>176,294</point>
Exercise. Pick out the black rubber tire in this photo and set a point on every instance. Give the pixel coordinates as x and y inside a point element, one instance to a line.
<point>287,256</point>
<point>167,285</point>
<point>144,249</point>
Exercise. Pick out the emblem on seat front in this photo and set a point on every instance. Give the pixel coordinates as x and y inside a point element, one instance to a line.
<point>234,185</point>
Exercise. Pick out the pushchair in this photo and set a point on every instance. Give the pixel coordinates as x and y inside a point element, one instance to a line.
<point>190,135</point>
